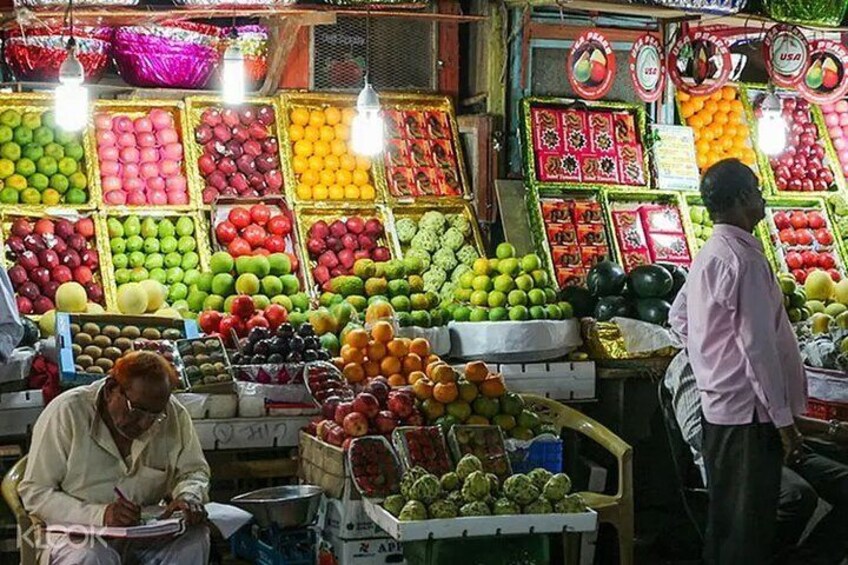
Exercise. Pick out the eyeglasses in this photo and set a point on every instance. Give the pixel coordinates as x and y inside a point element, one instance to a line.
<point>141,414</point>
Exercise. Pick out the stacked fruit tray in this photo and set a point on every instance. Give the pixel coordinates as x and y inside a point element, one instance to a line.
<point>808,163</point>
<point>803,238</point>
<point>318,162</point>
<point>40,164</point>
<point>649,228</point>
<point>43,251</point>
<point>422,155</point>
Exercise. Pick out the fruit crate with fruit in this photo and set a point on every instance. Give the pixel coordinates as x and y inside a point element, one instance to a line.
<point>318,163</point>
<point>234,151</point>
<point>802,238</point>
<point>254,226</point>
<point>43,251</point>
<point>444,236</point>
<point>835,120</point>
<point>40,164</point>
<point>206,366</point>
<point>721,127</point>
<point>648,227</point>
<point>322,464</point>
<point>423,447</point>
<point>140,157</point>
<point>332,239</point>
<point>569,233</point>
<point>808,163</point>
<point>169,246</point>
<point>585,145</point>
<point>423,155</point>
<point>699,219</point>
<point>374,467</point>
<point>83,361</point>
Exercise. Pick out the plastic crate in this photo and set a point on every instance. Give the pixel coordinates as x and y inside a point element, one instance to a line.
<point>543,452</point>
<point>509,550</point>
<point>824,410</point>
<point>275,547</point>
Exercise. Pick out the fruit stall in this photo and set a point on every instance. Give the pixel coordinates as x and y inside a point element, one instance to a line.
<point>352,316</point>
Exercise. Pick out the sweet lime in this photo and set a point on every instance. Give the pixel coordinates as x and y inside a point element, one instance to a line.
<point>7,168</point>
<point>31,120</point>
<point>10,118</point>
<point>78,180</point>
<point>42,136</point>
<point>59,182</point>
<point>17,182</point>
<point>50,197</point>
<point>30,196</point>
<point>33,151</point>
<point>54,150</point>
<point>76,196</point>
<point>22,135</point>
<point>8,196</point>
<point>25,167</point>
<point>74,151</point>
<point>10,150</point>
<point>46,165</point>
<point>5,134</point>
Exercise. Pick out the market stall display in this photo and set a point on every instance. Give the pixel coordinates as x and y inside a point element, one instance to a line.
<point>585,145</point>
<point>204,361</point>
<point>317,161</point>
<point>423,155</point>
<point>41,164</point>
<point>236,152</point>
<point>836,121</point>
<point>35,52</point>
<point>140,159</point>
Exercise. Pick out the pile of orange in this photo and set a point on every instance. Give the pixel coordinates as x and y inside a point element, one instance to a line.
<point>400,360</point>
<point>721,131</point>
<point>324,164</point>
<point>442,392</point>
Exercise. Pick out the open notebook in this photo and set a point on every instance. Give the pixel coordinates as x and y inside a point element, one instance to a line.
<point>151,527</point>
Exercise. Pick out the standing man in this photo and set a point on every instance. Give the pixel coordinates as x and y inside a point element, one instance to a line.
<point>747,366</point>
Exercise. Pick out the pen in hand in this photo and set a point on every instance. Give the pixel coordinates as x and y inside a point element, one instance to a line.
<point>122,512</point>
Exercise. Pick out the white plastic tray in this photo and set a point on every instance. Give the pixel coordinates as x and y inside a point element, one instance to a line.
<point>480,526</point>
<point>514,342</point>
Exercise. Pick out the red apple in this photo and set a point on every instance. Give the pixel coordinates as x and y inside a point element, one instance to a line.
<point>257,321</point>
<point>788,237</point>
<point>42,304</point>
<point>811,258</point>
<point>401,403</point>
<point>24,304</point>
<point>85,227</point>
<point>835,275</point>
<point>238,247</point>
<point>328,407</point>
<point>798,219</point>
<point>233,323</point>
<point>243,307</point>
<point>83,275</point>
<point>275,243</point>
<point>43,226</point>
<point>342,410</point>
<point>21,227</point>
<point>209,321</point>
<point>254,235</point>
<point>826,261</point>
<point>260,214</point>
<point>17,275</point>
<point>824,237</point>
<point>804,237</point>
<point>279,225</point>
<point>366,404</point>
<point>781,220</point>
<point>276,315</point>
<point>385,422</point>
<point>225,232</point>
<point>62,274</point>
<point>355,424</point>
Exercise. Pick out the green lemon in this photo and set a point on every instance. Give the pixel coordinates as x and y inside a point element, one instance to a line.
<point>30,196</point>
<point>39,181</point>
<point>76,196</point>
<point>59,182</point>
<point>8,196</point>
<point>74,151</point>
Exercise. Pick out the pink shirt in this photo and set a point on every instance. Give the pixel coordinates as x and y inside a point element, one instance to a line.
<point>737,334</point>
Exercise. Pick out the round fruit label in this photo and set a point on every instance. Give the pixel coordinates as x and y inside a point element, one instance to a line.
<point>824,80</point>
<point>699,63</point>
<point>591,65</point>
<point>647,67</point>
<point>786,54</point>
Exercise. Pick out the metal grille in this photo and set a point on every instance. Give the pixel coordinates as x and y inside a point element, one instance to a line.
<point>403,54</point>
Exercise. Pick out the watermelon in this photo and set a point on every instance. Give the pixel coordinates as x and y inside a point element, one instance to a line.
<point>678,275</point>
<point>650,281</point>
<point>653,310</point>
<point>606,279</point>
<point>609,307</point>
<point>581,300</point>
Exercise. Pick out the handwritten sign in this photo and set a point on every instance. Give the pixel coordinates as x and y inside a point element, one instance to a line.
<point>674,157</point>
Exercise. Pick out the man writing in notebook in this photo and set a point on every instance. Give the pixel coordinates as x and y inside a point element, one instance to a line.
<point>102,452</point>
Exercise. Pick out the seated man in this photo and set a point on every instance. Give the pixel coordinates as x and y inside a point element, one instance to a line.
<point>802,482</point>
<point>123,436</point>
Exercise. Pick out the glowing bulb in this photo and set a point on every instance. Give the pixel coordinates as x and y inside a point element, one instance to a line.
<point>233,76</point>
<point>771,127</point>
<point>366,131</point>
<point>71,96</point>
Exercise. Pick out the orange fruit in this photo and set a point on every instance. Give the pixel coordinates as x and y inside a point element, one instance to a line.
<point>360,177</point>
<point>390,365</point>
<point>316,163</point>
<point>303,148</point>
<point>428,370</point>
<point>415,376</point>
<point>320,192</point>
<point>309,177</point>
<point>372,369</point>
<point>720,118</point>
<point>383,332</point>
<point>687,109</point>
<point>343,177</point>
<point>411,363</point>
<point>342,132</point>
<point>347,116</point>
<point>476,371</point>
<point>728,93</point>
<point>311,133</point>
<point>354,373</point>
<point>352,354</point>
<point>376,350</point>
<point>327,177</point>
<point>683,96</point>
<point>295,132</point>
<point>433,358</point>
<point>397,380</point>
<point>331,162</point>
<point>332,115</point>
<point>716,96</point>
<point>338,147</point>
<point>316,118</point>
<point>493,386</point>
<point>357,338</point>
<point>352,192</point>
<point>363,163</point>
<point>710,106</point>
<point>304,192</point>
<point>422,388</point>
<point>348,162</point>
<point>724,106</point>
<point>339,363</point>
<point>328,133</point>
<point>420,347</point>
<point>696,121</point>
<point>698,102</point>
<point>467,391</point>
<point>336,192</point>
<point>300,164</point>
<point>299,116</point>
<point>321,148</point>
<point>445,392</point>
<point>367,192</point>
<point>706,117</point>
<point>443,374</point>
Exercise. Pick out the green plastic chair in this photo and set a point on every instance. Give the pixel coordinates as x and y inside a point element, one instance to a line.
<point>615,509</point>
<point>9,487</point>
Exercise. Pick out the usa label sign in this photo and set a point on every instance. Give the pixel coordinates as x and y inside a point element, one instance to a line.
<point>647,67</point>
<point>786,53</point>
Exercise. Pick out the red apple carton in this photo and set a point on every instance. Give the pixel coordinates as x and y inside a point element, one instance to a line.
<point>401,181</point>
<point>661,218</point>
<point>419,153</point>
<point>425,182</point>
<point>397,154</point>
<point>484,442</point>
<point>571,276</point>
<point>557,211</point>
<point>448,182</point>
<point>423,447</point>
<point>669,247</point>
<point>592,255</point>
<point>416,126</point>
<point>562,234</point>
<point>628,227</point>
<point>566,256</point>
<point>327,386</point>
<point>437,125</point>
<point>587,212</point>
<point>373,465</point>
<point>443,155</point>
<point>593,234</point>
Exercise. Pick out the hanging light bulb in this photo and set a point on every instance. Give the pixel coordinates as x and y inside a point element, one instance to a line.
<point>367,127</point>
<point>232,79</point>
<point>71,96</point>
<point>771,127</point>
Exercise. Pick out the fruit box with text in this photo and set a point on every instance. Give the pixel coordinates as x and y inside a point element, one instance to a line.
<point>66,334</point>
<point>44,251</point>
<point>234,151</point>
<point>803,238</point>
<point>373,551</point>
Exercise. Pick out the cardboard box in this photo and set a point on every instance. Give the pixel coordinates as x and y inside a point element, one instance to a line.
<point>374,551</point>
<point>345,517</point>
<point>322,464</point>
